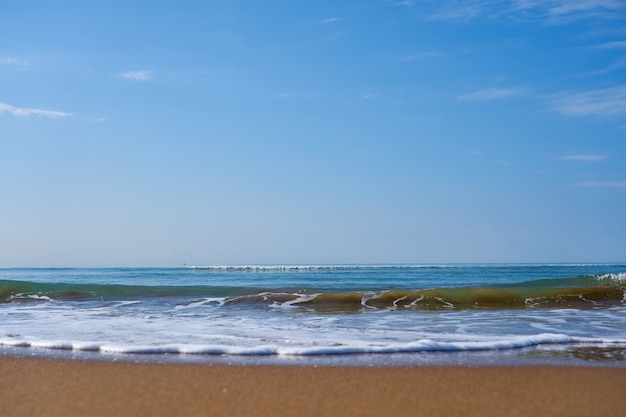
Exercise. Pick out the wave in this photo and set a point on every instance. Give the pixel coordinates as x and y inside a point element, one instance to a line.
<point>442,298</point>
<point>596,280</point>
<point>605,290</point>
<point>27,290</point>
<point>422,345</point>
<point>291,268</point>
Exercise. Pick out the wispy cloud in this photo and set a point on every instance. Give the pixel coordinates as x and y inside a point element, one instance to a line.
<point>611,45</point>
<point>601,184</point>
<point>547,11</point>
<point>140,75</point>
<point>604,102</point>
<point>364,98</point>
<point>328,21</point>
<point>422,55</point>
<point>460,11</point>
<point>583,157</point>
<point>14,62</point>
<point>490,94</point>
<point>472,153</point>
<point>620,63</point>
<point>24,112</point>
<point>569,7</point>
<point>10,61</point>
<point>297,95</point>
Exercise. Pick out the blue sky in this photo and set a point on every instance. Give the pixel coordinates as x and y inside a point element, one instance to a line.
<point>375,131</point>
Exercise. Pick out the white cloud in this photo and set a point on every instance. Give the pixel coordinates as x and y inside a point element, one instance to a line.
<point>462,11</point>
<point>422,55</point>
<point>563,7</point>
<point>604,102</point>
<point>13,62</point>
<point>297,95</point>
<point>548,11</point>
<point>23,112</point>
<point>583,157</point>
<point>611,45</point>
<point>141,75</point>
<point>328,21</point>
<point>490,94</point>
<point>620,63</point>
<point>10,61</point>
<point>601,184</point>
<point>364,98</point>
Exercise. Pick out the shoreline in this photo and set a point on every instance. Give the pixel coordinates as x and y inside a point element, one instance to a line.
<point>575,355</point>
<point>57,387</point>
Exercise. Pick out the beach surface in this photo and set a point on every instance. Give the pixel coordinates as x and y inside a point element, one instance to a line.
<point>51,387</point>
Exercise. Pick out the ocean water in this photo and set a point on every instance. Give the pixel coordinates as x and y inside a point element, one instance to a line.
<point>361,314</point>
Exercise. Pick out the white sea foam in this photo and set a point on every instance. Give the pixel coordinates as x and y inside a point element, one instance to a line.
<point>301,298</point>
<point>277,268</point>
<point>619,278</point>
<point>200,303</point>
<point>263,332</point>
<point>31,296</point>
<point>313,267</point>
<point>368,296</point>
<point>422,345</point>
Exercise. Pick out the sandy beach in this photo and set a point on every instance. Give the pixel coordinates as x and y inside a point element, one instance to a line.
<point>50,387</point>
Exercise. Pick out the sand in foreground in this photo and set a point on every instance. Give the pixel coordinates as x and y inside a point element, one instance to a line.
<point>41,387</point>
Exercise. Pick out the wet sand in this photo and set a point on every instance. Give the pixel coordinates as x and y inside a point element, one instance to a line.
<point>50,387</point>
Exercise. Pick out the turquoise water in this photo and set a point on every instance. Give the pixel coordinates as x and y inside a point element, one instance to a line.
<point>365,314</point>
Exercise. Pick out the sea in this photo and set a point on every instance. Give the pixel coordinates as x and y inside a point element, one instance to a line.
<point>365,315</point>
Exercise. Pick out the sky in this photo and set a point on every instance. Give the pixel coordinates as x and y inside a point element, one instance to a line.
<point>158,133</point>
